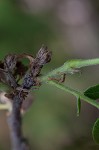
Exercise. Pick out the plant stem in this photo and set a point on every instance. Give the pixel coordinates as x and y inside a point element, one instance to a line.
<point>15,125</point>
<point>75,93</point>
<point>70,67</point>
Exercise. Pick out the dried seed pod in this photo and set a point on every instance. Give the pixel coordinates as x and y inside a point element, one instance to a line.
<point>10,62</point>
<point>43,56</point>
<point>12,70</point>
<point>3,75</point>
<point>28,81</point>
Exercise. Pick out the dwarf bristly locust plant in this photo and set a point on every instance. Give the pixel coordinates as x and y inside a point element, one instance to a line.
<point>20,79</point>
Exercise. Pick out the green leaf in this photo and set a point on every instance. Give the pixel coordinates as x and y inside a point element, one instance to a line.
<point>95,131</point>
<point>78,106</point>
<point>92,92</point>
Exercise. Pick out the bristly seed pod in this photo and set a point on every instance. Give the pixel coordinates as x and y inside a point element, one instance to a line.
<point>12,70</point>
<point>28,81</point>
<point>10,62</point>
<point>43,56</point>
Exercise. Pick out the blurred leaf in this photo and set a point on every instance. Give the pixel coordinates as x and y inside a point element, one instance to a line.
<point>95,131</point>
<point>22,32</point>
<point>92,92</point>
<point>78,106</point>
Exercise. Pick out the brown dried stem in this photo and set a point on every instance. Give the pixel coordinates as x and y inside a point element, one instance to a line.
<point>10,70</point>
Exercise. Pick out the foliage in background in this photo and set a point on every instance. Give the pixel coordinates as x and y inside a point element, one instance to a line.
<point>50,119</point>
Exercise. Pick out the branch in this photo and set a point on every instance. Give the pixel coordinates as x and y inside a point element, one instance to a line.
<point>75,93</point>
<point>11,71</point>
<point>15,124</point>
<point>70,67</point>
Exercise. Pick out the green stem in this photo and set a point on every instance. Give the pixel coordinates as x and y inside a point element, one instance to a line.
<point>70,67</point>
<point>75,93</point>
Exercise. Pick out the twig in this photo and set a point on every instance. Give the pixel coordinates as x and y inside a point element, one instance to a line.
<point>70,67</point>
<point>9,72</point>
<point>75,93</point>
<point>15,124</point>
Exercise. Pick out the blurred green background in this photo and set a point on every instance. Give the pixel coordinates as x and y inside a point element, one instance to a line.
<point>70,30</point>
